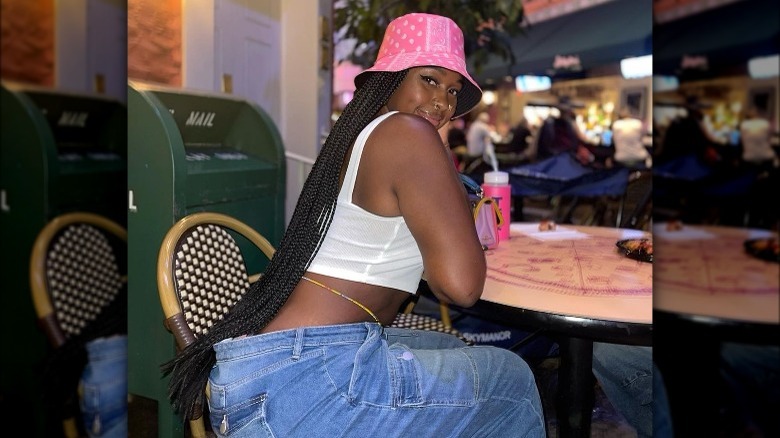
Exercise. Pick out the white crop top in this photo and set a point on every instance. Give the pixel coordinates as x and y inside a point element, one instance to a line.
<point>364,247</point>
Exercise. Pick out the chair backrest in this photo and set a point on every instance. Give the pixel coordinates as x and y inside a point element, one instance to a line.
<point>635,206</point>
<point>76,269</point>
<point>201,273</point>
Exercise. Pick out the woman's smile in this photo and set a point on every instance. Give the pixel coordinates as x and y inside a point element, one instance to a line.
<point>436,118</point>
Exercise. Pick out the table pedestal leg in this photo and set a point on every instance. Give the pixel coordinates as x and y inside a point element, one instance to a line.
<point>688,356</point>
<point>575,397</point>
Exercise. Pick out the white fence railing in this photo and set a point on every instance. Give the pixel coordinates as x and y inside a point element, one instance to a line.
<point>303,166</point>
<point>298,169</point>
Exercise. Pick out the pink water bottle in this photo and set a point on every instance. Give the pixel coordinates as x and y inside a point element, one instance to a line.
<point>496,185</point>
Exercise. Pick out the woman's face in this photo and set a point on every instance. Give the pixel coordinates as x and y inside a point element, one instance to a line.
<point>429,92</point>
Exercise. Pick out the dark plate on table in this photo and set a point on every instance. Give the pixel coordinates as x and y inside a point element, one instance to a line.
<point>765,249</point>
<point>637,249</point>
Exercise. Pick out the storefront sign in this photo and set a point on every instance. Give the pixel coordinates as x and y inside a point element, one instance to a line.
<point>567,62</point>
<point>694,62</point>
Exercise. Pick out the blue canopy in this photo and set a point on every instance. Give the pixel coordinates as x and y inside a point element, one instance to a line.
<point>688,167</point>
<point>689,174</point>
<point>727,35</point>
<point>564,175</point>
<point>597,35</point>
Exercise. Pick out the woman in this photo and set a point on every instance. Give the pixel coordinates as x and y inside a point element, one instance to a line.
<point>305,352</point>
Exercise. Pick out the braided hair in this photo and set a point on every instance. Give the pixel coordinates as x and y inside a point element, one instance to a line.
<point>313,213</point>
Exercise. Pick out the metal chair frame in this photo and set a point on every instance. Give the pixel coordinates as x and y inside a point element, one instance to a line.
<point>639,196</point>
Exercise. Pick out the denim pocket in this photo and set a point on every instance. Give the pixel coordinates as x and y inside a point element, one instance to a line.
<point>103,406</point>
<point>234,420</point>
<point>640,386</point>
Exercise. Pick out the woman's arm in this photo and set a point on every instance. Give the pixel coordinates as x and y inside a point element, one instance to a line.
<point>409,172</point>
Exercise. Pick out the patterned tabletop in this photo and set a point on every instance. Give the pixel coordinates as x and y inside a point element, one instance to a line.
<point>705,271</point>
<point>576,271</point>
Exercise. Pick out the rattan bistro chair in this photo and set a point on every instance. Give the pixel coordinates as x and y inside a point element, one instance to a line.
<point>637,201</point>
<point>408,319</point>
<point>201,274</point>
<point>77,268</point>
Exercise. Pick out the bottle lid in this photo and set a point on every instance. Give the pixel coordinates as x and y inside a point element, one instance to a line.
<point>496,177</point>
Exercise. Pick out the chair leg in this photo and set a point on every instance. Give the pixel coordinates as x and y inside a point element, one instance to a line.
<point>635,220</point>
<point>564,212</point>
<point>197,428</point>
<point>445,315</point>
<point>70,428</point>
<point>621,206</point>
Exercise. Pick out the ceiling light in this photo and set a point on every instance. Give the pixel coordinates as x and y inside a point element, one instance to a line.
<point>764,67</point>
<point>638,67</point>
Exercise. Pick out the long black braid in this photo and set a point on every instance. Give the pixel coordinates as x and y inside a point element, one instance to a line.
<point>310,221</point>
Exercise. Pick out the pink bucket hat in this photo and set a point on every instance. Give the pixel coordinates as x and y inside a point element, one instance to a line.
<point>416,40</point>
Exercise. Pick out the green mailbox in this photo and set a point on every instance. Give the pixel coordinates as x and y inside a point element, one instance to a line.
<point>59,152</point>
<point>190,152</point>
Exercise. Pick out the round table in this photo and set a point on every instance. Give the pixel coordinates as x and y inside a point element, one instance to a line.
<point>704,273</point>
<point>575,283</point>
<point>708,290</point>
<point>577,271</point>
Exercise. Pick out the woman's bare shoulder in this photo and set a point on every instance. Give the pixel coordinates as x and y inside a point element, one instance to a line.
<point>404,148</point>
<point>406,124</point>
<point>405,132</point>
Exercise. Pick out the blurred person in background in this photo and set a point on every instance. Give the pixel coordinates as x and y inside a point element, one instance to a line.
<point>634,386</point>
<point>560,134</point>
<point>456,140</point>
<point>756,140</point>
<point>758,157</point>
<point>480,136</point>
<point>627,133</point>
<point>520,136</point>
<point>688,135</point>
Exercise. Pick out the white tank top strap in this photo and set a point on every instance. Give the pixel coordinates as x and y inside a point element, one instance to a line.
<point>350,176</point>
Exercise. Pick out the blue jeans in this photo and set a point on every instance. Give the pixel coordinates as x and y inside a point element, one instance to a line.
<point>364,380</point>
<point>629,379</point>
<point>103,398</point>
<point>752,376</point>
